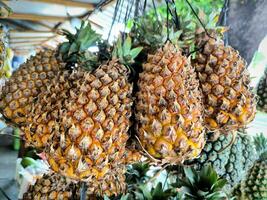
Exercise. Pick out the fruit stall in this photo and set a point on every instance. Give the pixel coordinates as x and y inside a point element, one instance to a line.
<point>133,100</point>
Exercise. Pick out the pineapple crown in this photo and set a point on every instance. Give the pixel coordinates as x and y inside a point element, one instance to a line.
<point>260,142</point>
<point>137,173</point>
<point>75,50</point>
<point>153,32</point>
<point>124,52</point>
<point>205,184</point>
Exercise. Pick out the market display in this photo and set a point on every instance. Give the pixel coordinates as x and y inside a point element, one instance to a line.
<point>161,112</point>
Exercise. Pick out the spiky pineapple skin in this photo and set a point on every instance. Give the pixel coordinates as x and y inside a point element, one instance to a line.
<point>254,186</point>
<point>228,100</point>
<point>231,162</point>
<point>19,92</point>
<point>168,108</point>
<point>52,187</point>
<point>262,93</point>
<point>83,122</point>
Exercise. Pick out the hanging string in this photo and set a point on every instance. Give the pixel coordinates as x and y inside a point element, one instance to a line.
<point>128,13</point>
<point>144,8</point>
<point>114,17</point>
<point>168,31</point>
<point>176,20</point>
<point>194,12</point>
<point>136,13</point>
<point>223,19</point>
<point>98,7</point>
<point>121,9</point>
<point>155,10</point>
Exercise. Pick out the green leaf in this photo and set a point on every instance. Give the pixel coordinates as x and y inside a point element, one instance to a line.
<point>191,175</point>
<point>106,197</point>
<point>208,175</point>
<point>216,196</point>
<point>64,47</point>
<point>73,48</point>
<point>219,185</point>
<point>124,197</point>
<point>145,192</point>
<point>158,191</point>
<point>127,46</point>
<point>134,52</point>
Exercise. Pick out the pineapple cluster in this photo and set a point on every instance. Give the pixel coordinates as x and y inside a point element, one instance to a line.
<point>78,108</point>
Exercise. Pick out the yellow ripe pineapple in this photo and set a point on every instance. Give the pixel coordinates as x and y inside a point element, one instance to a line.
<point>26,83</point>
<point>228,99</point>
<point>168,105</point>
<point>53,187</point>
<point>169,109</point>
<point>82,122</point>
<point>93,123</point>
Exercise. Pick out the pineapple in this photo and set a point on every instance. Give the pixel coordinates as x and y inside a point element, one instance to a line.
<point>53,187</point>
<point>228,99</point>
<point>19,92</point>
<point>231,162</point>
<point>33,77</point>
<point>262,92</point>
<point>168,106</point>
<point>82,120</point>
<point>254,186</point>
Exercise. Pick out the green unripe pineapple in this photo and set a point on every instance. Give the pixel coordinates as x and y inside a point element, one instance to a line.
<point>229,161</point>
<point>254,186</point>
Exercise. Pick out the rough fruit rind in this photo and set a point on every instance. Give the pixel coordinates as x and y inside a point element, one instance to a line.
<point>228,99</point>
<point>169,109</point>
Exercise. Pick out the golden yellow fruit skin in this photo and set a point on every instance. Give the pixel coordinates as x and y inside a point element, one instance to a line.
<point>19,92</point>
<point>82,121</point>
<point>229,102</point>
<point>169,107</point>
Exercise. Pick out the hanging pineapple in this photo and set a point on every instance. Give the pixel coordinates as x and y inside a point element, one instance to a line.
<point>26,83</point>
<point>82,120</point>
<point>224,80</point>
<point>168,105</point>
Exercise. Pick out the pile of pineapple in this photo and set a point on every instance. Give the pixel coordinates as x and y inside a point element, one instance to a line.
<point>81,108</point>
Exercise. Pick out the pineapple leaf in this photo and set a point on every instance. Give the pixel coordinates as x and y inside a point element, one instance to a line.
<point>134,52</point>
<point>145,191</point>
<point>73,48</point>
<point>208,175</point>
<point>191,175</point>
<point>216,196</point>
<point>219,184</point>
<point>106,197</point>
<point>127,46</point>
<point>125,197</point>
<point>64,47</point>
<point>202,185</point>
